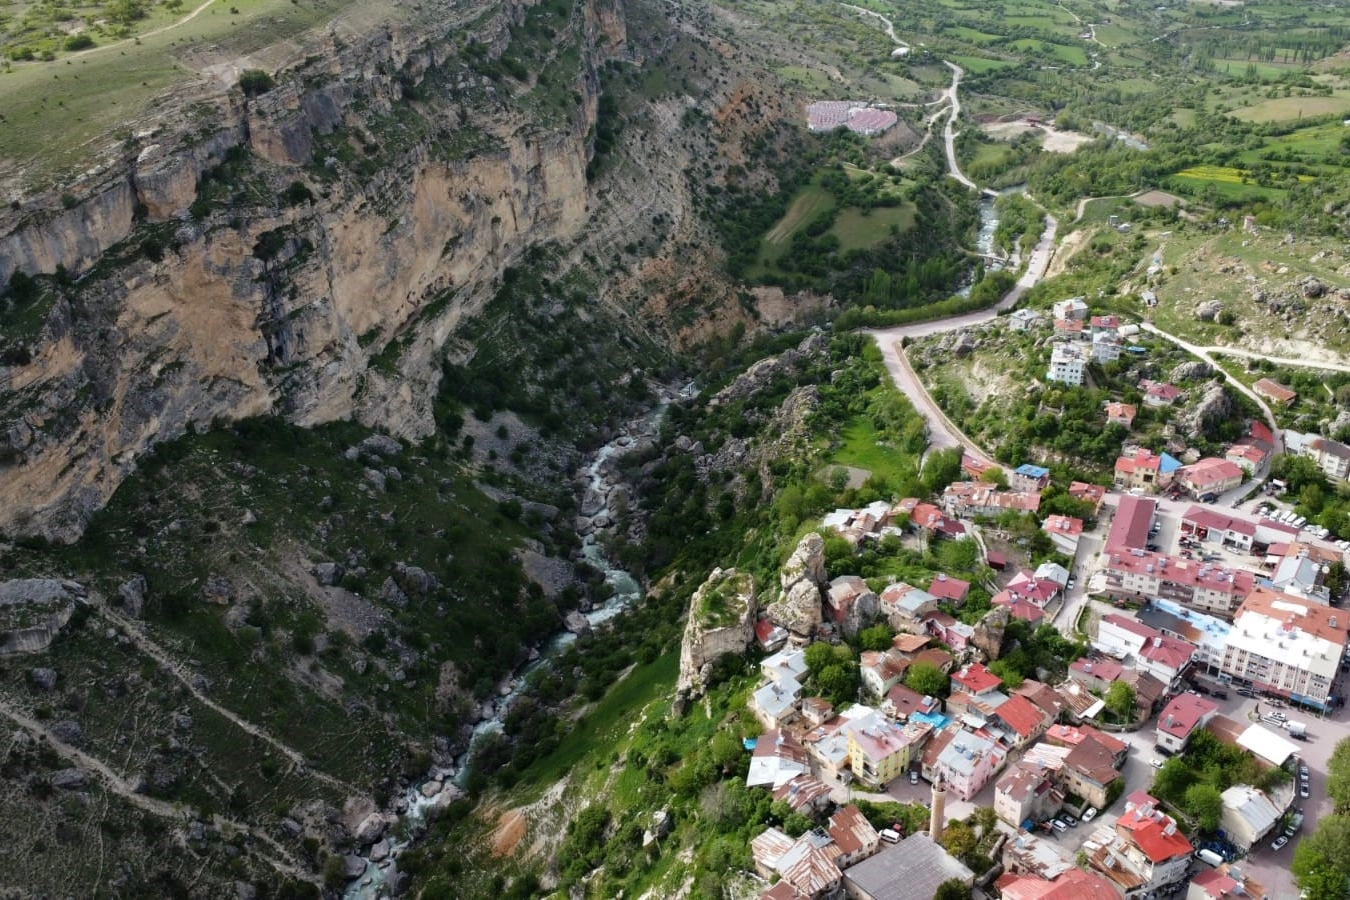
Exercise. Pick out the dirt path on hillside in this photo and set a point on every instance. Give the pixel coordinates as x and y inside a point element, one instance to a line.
<point>171,665</point>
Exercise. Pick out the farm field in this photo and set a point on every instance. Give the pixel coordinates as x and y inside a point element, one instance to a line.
<point>1286,108</point>
<point>978,65</point>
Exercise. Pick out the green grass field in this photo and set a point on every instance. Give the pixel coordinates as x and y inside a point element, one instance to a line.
<point>861,450</point>
<point>978,65</point>
<point>811,200</point>
<point>971,36</point>
<point>1065,53</point>
<point>1285,108</point>
<point>811,79</point>
<point>58,115</point>
<point>858,231</point>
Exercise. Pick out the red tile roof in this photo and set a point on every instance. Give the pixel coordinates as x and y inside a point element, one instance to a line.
<point>1205,517</point>
<point>949,588</point>
<point>905,701</point>
<point>1160,390</point>
<point>1075,884</point>
<point>1153,832</point>
<point>1063,525</point>
<point>1209,472</point>
<point>1273,390</point>
<point>1021,715</point>
<point>1105,322</point>
<point>1214,884</point>
<point>1121,411</point>
<point>1133,626</point>
<point>1186,572</point>
<point>1081,490</point>
<point>933,656</point>
<point>1140,461</point>
<point>996,559</point>
<point>1180,717</point>
<point>1133,519</point>
<point>1103,669</point>
<point>1073,735</point>
<point>976,679</point>
<point>1019,607</point>
<point>1168,651</point>
<point>851,830</point>
<point>1259,431</point>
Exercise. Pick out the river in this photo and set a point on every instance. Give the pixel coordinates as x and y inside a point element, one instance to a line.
<point>600,477</point>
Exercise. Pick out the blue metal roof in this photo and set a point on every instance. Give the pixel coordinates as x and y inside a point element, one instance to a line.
<point>1031,471</point>
<point>1168,465</point>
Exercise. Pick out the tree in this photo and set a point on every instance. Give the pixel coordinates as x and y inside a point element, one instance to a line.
<point>838,683</point>
<point>254,82</point>
<point>952,889</point>
<point>1338,776</point>
<point>1008,672</point>
<point>1120,700</point>
<point>1205,803</point>
<point>1327,847</point>
<point>927,679</point>
<point>995,476</point>
<point>876,638</point>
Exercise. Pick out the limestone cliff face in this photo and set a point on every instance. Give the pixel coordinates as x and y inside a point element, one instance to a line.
<point>721,621</point>
<point>426,180</point>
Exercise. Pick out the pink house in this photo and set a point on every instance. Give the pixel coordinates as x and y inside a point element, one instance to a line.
<point>1039,591</point>
<point>1019,607</point>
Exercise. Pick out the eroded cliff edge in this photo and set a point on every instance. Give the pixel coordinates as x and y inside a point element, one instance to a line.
<point>306,252</point>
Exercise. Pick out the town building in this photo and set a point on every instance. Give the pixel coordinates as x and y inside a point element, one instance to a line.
<point>1210,477</point>
<point>1073,308</point>
<point>968,762</point>
<point>976,679</point>
<point>1180,718</point>
<point>853,835</point>
<point>1153,844</point>
<point>1089,771</point>
<point>775,703</point>
<point>805,863</point>
<point>1248,815</point>
<point>1254,450</point>
<point>1095,675</point>
<point>902,702</point>
<point>1207,524</point>
<point>1286,645</point>
<point>1121,414</point>
<point>1091,493</point>
<point>1034,588</point>
<point>805,794</point>
<point>1143,575</point>
<point>1207,634</point>
<point>1145,470</point>
<point>1159,394</point>
<point>1150,650</point>
<point>778,758</point>
<point>945,587</point>
<point>911,870</point>
<point>1070,736</point>
<point>1023,319</point>
<point>1018,722</point>
<point>1069,329</point>
<point>770,636</point>
<point>978,498</point>
<point>1073,884</point>
<point>881,750</point>
<point>1226,882</point>
<point>1332,457</point>
<point>1065,532</point>
<point>904,607</point>
<point>1027,792</point>
<point>1105,348</point>
<point>1029,478</point>
<point>1019,607</point>
<point>1130,527</point>
<point>1067,364</point>
<point>1302,571</point>
<point>1274,392</point>
<point>882,671</point>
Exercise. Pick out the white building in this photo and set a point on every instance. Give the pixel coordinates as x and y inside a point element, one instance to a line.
<point>1286,645</point>
<point>1248,815</point>
<point>1073,308</point>
<point>1023,319</point>
<point>1067,362</point>
<point>1105,347</point>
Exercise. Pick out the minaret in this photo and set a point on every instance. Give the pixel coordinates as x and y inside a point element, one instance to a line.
<point>938,815</point>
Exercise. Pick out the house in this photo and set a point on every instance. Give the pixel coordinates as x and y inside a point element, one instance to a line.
<point>816,711</point>
<point>1065,532</point>
<point>968,762</point>
<point>787,663</point>
<point>1023,319</point>
<point>978,498</point>
<point>1079,703</point>
<point>1252,452</point>
<point>1020,607</point>
<point>911,870</point>
<point>1158,394</point>
<point>1039,591</point>
<point>1095,675</point>
<point>1121,636</point>
<point>1286,645</point>
<point>1248,815</point>
<point>1165,658</point>
<point>945,587</point>
<point>904,607</point>
<point>1052,572</point>
<point>973,466</point>
<point>930,521</point>
<point>776,703</point>
<point>1069,329</point>
<point>1145,470</point>
<point>778,758</point>
<point>1020,721</point>
<point>1070,736</point>
<point>1210,477</point>
<point>769,636</point>
<point>1226,882</point>
<point>1043,697</point>
<point>1073,308</point>
<point>1104,325</point>
<point>1121,414</point>
<point>902,702</point>
<point>1207,634</point>
<point>1089,771</point>
<point>976,710</point>
<point>1029,478</point>
<point>1105,348</point>
<point>881,750</point>
<point>1181,717</point>
<point>1091,493</point>
<point>1149,690</point>
<point>1027,791</point>
<point>1073,884</point>
<point>997,560</point>
<point>1302,572</point>
<point>853,835</point>
<point>1332,457</point>
<point>1067,363</point>
<point>1161,656</point>
<point>939,659</point>
<point>957,635</point>
<point>1274,392</point>
<point>804,863</point>
<point>882,671</point>
<point>910,644</point>
<point>805,794</point>
<point>976,679</point>
<point>1152,842</point>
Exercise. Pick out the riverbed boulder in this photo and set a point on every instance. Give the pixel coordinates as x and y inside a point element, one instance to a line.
<point>371,829</point>
<point>721,621</point>
<point>577,623</point>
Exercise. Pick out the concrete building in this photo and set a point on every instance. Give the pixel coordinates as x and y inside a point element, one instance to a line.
<point>1023,319</point>
<point>1089,771</point>
<point>1073,308</point>
<point>1029,478</point>
<point>1207,634</point>
<point>1159,394</point>
<point>968,762</point>
<point>1027,791</point>
<point>1143,575</point>
<point>1180,718</point>
<point>1145,470</point>
<point>1207,524</point>
<point>1274,392</point>
<point>1248,815</point>
<point>911,870</point>
<point>904,607</point>
<point>1065,532</point>
<point>882,671</point>
<point>1210,477</point>
<point>1074,884</point>
<point>853,835</point>
<point>1286,645</point>
<point>977,498</point>
<point>880,750</point>
<point>1105,348</point>
<point>1148,649</point>
<point>1332,457</point>
<point>1156,849</point>
<point>1121,413</point>
<point>1129,529</point>
<point>1067,364</point>
<point>776,703</point>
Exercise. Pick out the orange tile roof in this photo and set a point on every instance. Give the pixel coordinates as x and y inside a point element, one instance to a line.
<point>1021,715</point>
<point>1309,617</point>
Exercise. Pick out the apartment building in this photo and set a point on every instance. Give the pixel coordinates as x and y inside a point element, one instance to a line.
<point>1286,645</point>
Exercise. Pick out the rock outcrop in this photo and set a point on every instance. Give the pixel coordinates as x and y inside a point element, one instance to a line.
<point>33,611</point>
<point>721,621</point>
<point>798,607</point>
<point>989,631</point>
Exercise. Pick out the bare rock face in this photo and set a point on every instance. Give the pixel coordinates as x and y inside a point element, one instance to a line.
<point>861,613</point>
<point>989,632</point>
<point>33,610</point>
<point>1209,311</point>
<point>798,608</point>
<point>1191,371</point>
<point>721,621</point>
<point>1214,406</point>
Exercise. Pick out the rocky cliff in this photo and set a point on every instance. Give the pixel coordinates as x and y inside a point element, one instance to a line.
<point>306,252</point>
<point>721,622</point>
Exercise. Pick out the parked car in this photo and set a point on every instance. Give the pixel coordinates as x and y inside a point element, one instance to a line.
<point>1157,764</point>
<point>1072,581</point>
<point>1279,716</point>
<point>1068,820</point>
<point>1303,772</point>
<point>1303,790</point>
<point>913,777</point>
<point>1279,842</point>
<point>1219,695</point>
<point>1089,814</point>
<point>1246,692</point>
<point>1058,826</point>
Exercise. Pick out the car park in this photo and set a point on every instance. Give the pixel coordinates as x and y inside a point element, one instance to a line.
<point>1279,842</point>
<point>1089,814</point>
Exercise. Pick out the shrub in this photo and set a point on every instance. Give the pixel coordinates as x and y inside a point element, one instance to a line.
<point>79,42</point>
<point>255,82</point>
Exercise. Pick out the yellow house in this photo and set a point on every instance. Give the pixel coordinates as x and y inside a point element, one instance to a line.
<point>880,751</point>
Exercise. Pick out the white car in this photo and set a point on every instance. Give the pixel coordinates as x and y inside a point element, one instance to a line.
<point>1279,842</point>
<point>1089,814</point>
<point>1157,764</point>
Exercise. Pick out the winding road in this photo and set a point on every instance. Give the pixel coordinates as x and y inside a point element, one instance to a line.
<point>949,130</point>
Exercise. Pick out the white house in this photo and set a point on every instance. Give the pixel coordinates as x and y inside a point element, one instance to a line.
<point>1067,362</point>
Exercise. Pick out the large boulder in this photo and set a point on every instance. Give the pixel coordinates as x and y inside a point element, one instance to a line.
<point>69,779</point>
<point>808,561</point>
<point>1214,406</point>
<point>989,632</point>
<point>861,613</point>
<point>798,607</point>
<point>133,593</point>
<point>577,623</point>
<point>328,573</point>
<point>1191,371</point>
<point>721,621</point>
